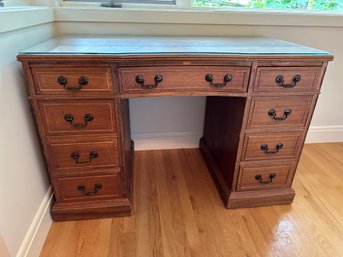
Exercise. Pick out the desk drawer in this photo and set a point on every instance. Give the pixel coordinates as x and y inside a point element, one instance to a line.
<point>85,188</point>
<point>286,79</point>
<point>174,78</point>
<point>78,117</point>
<point>272,146</point>
<point>278,112</point>
<point>267,176</point>
<point>80,154</point>
<point>72,80</point>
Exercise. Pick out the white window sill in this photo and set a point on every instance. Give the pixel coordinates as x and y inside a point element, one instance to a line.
<point>21,8</point>
<point>199,16</point>
<point>16,17</point>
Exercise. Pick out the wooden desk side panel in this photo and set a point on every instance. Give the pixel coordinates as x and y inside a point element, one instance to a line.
<point>222,129</point>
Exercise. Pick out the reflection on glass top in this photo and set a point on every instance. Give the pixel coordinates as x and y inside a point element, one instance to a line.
<point>120,45</point>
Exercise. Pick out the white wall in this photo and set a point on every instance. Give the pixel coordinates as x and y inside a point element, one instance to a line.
<point>23,179</point>
<point>327,123</point>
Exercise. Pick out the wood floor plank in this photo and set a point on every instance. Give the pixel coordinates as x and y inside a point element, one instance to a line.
<point>178,213</point>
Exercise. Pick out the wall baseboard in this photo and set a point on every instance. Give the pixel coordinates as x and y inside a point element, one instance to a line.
<point>174,140</point>
<point>322,134</point>
<point>35,236</point>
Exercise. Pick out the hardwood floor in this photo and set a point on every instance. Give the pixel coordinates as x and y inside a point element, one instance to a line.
<point>178,213</point>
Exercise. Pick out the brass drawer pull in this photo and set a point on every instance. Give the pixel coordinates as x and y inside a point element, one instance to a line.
<point>259,178</point>
<point>265,148</point>
<point>279,79</point>
<point>87,118</point>
<point>272,113</point>
<point>83,81</point>
<point>140,80</point>
<point>82,188</point>
<point>209,78</point>
<point>76,156</point>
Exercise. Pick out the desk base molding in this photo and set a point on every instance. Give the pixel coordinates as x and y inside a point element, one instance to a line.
<point>91,210</point>
<point>255,198</point>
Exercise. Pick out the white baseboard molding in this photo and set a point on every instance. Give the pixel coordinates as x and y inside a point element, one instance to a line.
<point>175,140</point>
<point>322,134</point>
<point>35,236</point>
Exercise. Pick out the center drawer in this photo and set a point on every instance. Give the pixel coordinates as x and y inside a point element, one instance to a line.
<point>78,117</point>
<point>174,78</point>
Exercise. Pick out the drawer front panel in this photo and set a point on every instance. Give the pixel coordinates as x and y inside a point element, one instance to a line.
<point>264,177</point>
<point>72,80</point>
<point>272,146</point>
<point>286,79</point>
<point>174,78</point>
<point>278,112</point>
<point>85,188</point>
<point>84,154</point>
<point>78,117</point>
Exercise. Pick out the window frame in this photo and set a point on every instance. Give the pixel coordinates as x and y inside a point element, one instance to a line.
<point>186,5</point>
<point>159,2</point>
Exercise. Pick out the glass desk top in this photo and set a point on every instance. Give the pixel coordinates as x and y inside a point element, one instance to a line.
<point>127,45</point>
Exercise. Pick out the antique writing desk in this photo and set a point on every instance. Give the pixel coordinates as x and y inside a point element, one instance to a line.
<point>260,93</point>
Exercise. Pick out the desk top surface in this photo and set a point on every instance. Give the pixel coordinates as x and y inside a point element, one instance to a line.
<point>137,46</point>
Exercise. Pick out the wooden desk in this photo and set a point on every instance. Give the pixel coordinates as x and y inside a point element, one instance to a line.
<point>261,94</point>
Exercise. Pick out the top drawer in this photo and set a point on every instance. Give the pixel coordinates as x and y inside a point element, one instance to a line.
<point>72,80</point>
<point>285,79</point>
<point>180,78</point>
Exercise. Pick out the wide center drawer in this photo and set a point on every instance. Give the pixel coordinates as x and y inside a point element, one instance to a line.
<point>266,146</point>
<point>174,78</point>
<point>72,80</point>
<point>279,112</point>
<point>80,154</point>
<point>86,188</point>
<point>78,117</point>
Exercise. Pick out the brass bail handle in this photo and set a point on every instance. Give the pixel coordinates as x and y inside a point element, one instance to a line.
<point>140,80</point>
<point>87,118</point>
<point>63,81</point>
<point>210,78</point>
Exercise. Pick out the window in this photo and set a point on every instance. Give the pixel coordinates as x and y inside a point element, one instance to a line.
<point>274,4</point>
<point>113,2</point>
